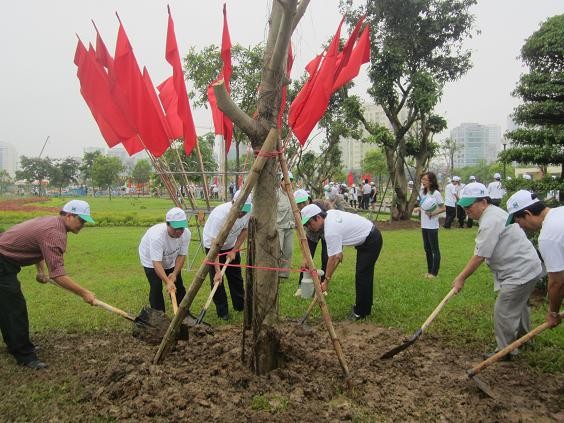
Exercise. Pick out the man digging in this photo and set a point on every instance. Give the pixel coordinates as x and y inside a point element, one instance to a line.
<point>41,241</point>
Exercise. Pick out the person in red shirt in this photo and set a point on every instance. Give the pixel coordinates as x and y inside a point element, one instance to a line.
<point>41,242</point>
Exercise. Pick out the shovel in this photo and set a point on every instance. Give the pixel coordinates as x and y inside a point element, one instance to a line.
<point>419,331</point>
<point>200,317</point>
<point>174,302</point>
<point>309,308</point>
<point>484,387</point>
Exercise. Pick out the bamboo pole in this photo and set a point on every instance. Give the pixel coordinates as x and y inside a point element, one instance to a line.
<point>316,281</point>
<point>206,193</point>
<point>170,336</point>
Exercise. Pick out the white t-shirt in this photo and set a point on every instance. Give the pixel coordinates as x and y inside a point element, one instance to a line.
<point>366,189</point>
<point>215,223</point>
<point>158,245</point>
<point>450,195</point>
<point>495,190</point>
<point>354,194</point>
<point>551,240</point>
<point>343,228</point>
<point>511,257</point>
<point>430,222</point>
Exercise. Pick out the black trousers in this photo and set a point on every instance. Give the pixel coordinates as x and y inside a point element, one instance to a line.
<point>156,299</point>
<point>431,245</point>
<point>235,281</point>
<point>450,216</point>
<point>460,215</point>
<point>366,256</point>
<point>312,247</point>
<point>14,322</point>
<point>365,201</point>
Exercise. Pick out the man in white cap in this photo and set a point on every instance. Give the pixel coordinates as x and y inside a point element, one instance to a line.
<point>451,197</point>
<point>366,190</point>
<point>285,224</point>
<point>531,214</point>
<point>495,190</point>
<point>162,251</point>
<point>41,241</point>
<point>230,249</point>
<point>512,259</point>
<point>343,229</point>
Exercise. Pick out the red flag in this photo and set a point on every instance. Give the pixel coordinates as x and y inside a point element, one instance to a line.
<point>343,56</point>
<point>146,117</point>
<point>360,55</point>
<point>289,63</point>
<point>318,98</point>
<point>103,56</point>
<point>350,178</point>
<point>155,101</point>
<point>169,100</point>
<point>300,100</point>
<point>183,104</point>
<point>223,125</point>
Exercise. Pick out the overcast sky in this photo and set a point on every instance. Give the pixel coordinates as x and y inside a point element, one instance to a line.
<point>40,92</point>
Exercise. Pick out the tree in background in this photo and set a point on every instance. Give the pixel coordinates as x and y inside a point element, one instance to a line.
<point>416,48</point>
<point>374,162</point>
<point>141,173</point>
<point>448,149</point>
<point>105,172</point>
<point>63,173</point>
<point>86,167</point>
<point>35,169</point>
<point>540,138</point>
<point>5,180</point>
<point>202,68</point>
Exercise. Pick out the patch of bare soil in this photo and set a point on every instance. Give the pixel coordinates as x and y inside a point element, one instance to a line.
<point>204,380</point>
<point>25,204</point>
<point>392,225</point>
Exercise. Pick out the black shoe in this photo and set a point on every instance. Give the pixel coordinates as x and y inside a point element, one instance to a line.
<point>353,316</point>
<point>506,357</point>
<point>224,317</point>
<point>35,364</point>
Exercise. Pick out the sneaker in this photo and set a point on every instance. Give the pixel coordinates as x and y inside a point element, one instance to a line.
<point>353,316</point>
<point>35,364</point>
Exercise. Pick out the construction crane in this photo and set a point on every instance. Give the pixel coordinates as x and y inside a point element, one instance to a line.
<point>43,148</point>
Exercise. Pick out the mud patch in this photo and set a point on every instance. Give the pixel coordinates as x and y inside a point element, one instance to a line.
<point>204,380</point>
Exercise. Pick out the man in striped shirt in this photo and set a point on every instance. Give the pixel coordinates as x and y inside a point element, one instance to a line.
<point>41,241</point>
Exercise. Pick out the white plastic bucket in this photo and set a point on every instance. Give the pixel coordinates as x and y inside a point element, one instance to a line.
<point>307,284</point>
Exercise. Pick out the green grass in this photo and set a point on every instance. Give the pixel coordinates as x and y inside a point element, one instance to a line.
<point>105,260</point>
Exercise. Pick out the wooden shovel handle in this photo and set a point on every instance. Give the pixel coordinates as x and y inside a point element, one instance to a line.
<point>216,284</point>
<point>437,310</point>
<point>515,344</point>
<point>174,302</point>
<point>113,309</point>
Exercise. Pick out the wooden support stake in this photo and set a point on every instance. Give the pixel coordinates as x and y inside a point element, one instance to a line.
<point>169,338</point>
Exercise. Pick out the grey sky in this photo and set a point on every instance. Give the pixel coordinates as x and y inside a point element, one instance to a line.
<point>40,91</point>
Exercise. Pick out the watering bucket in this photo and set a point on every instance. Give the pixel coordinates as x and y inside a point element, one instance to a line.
<point>307,284</point>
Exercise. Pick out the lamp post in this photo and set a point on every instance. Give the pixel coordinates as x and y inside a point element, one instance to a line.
<point>504,143</point>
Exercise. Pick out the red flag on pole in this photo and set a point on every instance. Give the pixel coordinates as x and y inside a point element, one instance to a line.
<point>103,56</point>
<point>183,104</point>
<point>222,124</point>
<point>300,100</point>
<point>318,98</point>
<point>169,100</point>
<point>360,55</point>
<point>146,116</point>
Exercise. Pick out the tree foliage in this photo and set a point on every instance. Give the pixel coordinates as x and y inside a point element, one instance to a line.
<point>63,173</point>
<point>416,48</point>
<point>106,172</point>
<point>35,169</point>
<point>539,140</point>
<point>86,166</point>
<point>141,173</point>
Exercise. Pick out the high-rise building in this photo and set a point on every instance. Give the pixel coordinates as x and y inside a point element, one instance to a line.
<point>353,151</point>
<point>475,143</point>
<point>8,158</point>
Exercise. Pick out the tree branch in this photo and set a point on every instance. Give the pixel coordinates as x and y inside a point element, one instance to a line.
<point>228,106</point>
<point>302,6</point>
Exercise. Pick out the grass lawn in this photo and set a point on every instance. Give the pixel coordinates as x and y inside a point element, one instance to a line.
<point>105,260</point>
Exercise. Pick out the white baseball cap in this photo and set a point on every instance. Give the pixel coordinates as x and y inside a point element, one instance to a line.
<point>309,211</point>
<point>301,195</point>
<point>472,178</point>
<point>527,176</point>
<point>290,176</point>
<point>176,217</point>
<point>497,176</point>
<point>517,202</point>
<point>429,204</point>
<point>80,208</point>
<point>472,192</point>
<point>456,178</point>
<point>248,202</point>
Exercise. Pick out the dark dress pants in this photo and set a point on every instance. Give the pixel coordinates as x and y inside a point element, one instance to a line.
<point>450,216</point>
<point>156,299</point>
<point>14,323</point>
<point>235,281</point>
<point>366,256</point>
<point>312,247</point>
<point>432,252</point>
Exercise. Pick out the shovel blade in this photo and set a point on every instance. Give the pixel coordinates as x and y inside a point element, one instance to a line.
<point>200,317</point>
<point>483,386</point>
<point>403,346</point>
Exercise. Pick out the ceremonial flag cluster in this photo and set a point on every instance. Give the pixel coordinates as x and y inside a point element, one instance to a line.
<point>326,75</point>
<point>123,100</point>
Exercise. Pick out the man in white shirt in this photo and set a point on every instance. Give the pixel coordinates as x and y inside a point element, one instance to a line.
<point>162,252</point>
<point>531,214</point>
<point>451,197</point>
<point>341,229</point>
<point>230,249</point>
<point>512,259</point>
<point>366,190</point>
<point>495,190</point>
